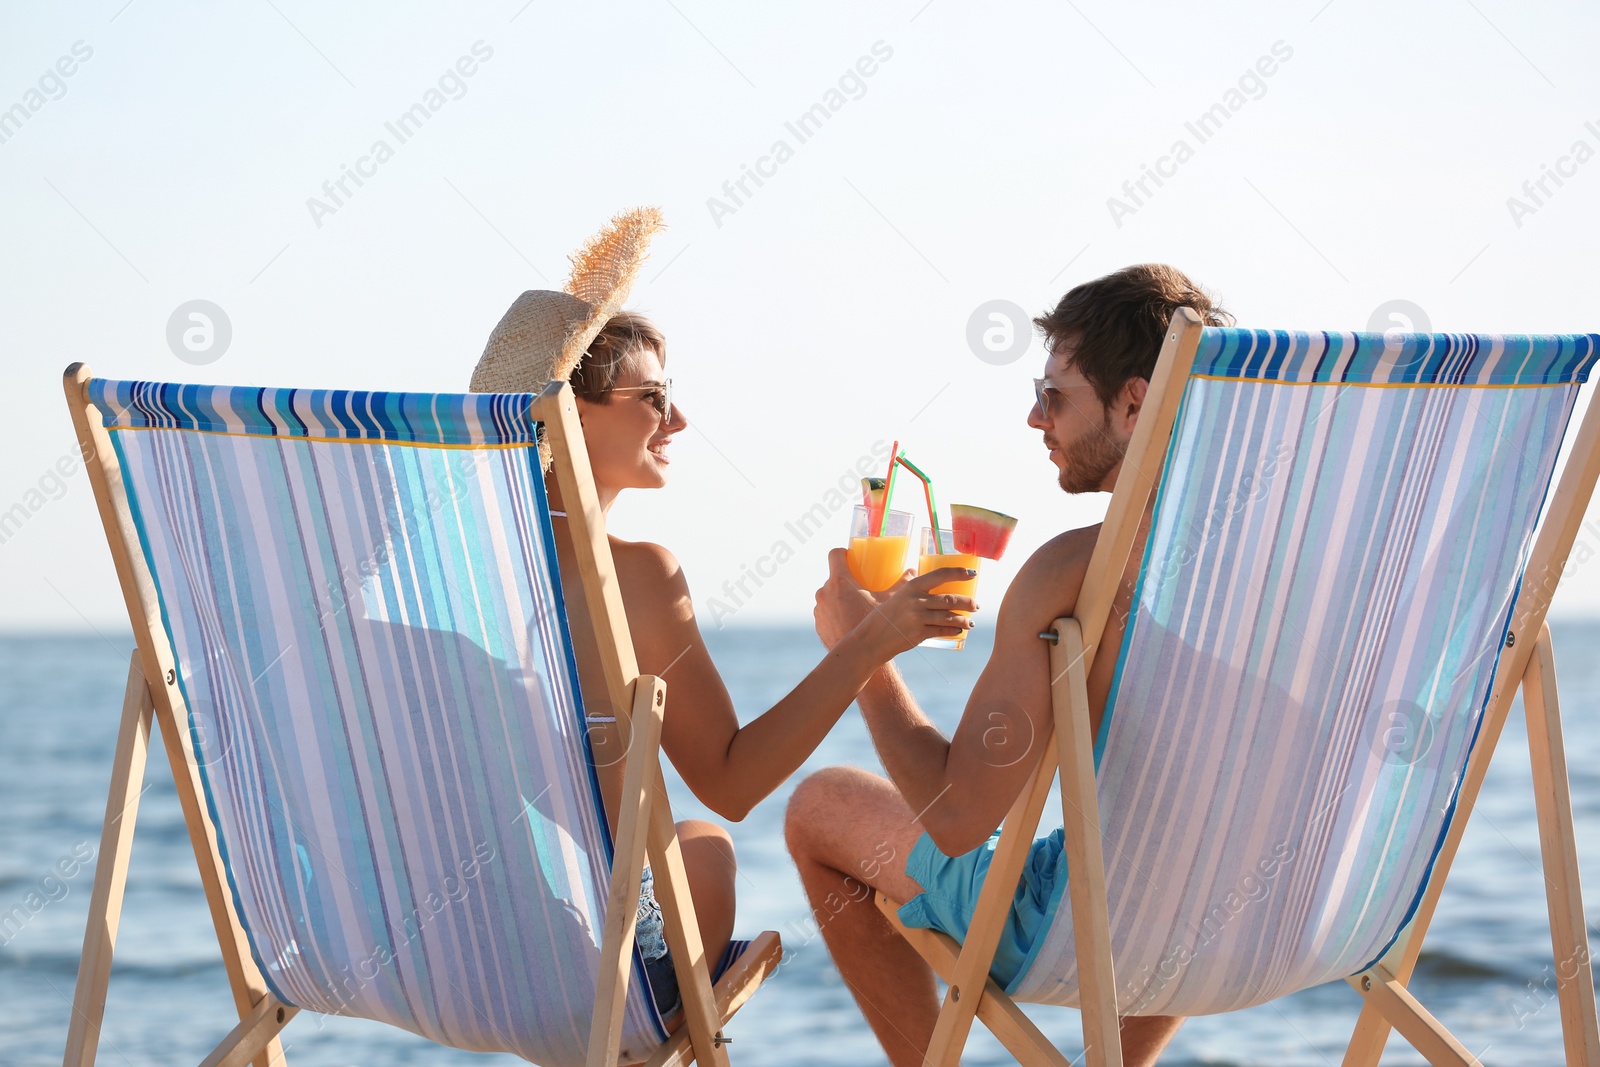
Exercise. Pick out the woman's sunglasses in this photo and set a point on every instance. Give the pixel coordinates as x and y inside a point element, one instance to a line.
<point>657,394</point>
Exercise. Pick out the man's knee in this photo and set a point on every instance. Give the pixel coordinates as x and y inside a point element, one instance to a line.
<point>820,799</point>
<point>857,824</point>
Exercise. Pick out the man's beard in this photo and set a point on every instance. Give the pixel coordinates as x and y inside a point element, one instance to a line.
<point>1089,460</point>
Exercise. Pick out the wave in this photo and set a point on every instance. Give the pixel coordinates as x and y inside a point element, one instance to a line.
<point>1444,965</point>
<point>66,965</point>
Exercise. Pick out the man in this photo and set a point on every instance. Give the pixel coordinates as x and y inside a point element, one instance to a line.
<point>926,834</point>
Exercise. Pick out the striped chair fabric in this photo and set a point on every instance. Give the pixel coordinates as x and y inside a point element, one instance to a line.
<point>1338,540</point>
<point>360,591</point>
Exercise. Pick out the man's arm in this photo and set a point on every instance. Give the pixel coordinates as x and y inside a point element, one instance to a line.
<point>963,787</point>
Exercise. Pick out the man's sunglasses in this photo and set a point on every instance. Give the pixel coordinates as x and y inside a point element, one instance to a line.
<point>1047,393</point>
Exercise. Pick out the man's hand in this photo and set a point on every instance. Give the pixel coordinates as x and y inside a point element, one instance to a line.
<point>894,621</point>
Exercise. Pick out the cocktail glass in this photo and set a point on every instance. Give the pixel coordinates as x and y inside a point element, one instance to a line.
<point>939,550</point>
<point>878,561</point>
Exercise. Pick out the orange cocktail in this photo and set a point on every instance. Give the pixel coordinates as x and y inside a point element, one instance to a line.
<point>940,551</point>
<point>877,562</point>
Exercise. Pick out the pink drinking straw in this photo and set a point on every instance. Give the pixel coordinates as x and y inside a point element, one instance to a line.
<point>927,491</point>
<point>876,518</point>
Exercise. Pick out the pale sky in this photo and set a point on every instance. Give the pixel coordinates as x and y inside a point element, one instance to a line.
<point>970,153</point>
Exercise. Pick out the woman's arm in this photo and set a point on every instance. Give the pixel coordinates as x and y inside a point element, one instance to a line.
<point>729,767</point>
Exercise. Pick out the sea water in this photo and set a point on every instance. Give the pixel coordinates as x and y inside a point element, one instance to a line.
<point>1487,971</point>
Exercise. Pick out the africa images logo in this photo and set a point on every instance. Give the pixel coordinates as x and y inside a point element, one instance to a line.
<point>1251,85</point>
<point>451,85</point>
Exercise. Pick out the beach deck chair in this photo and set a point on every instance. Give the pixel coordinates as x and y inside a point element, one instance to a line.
<point>350,630</point>
<point>1344,584</point>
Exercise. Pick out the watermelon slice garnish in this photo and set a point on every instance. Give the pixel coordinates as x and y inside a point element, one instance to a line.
<point>872,492</point>
<point>981,531</point>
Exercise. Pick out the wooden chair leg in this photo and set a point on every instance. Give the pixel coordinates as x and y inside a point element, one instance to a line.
<point>1016,1031</point>
<point>1563,894</point>
<point>111,870</point>
<point>1402,1011</point>
<point>996,1010</point>
<point>1080,820</point>
<point>1569,935</point>
<point>255,1036</point>
<point>159,673</point>
<point>622,902</point>
<point>245,980</point>
<point>682,932</point>
<point>967,979</point>
<point>732,990</point>
<point>1367,1041</point>
<point>1072,748</point>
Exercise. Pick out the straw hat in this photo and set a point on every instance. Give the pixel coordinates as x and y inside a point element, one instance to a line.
<point>543,335</point>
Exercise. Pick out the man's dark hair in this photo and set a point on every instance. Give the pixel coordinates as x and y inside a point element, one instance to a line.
<point>1116,323</point>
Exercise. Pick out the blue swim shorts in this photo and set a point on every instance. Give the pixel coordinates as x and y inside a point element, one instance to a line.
<point>950,886</point>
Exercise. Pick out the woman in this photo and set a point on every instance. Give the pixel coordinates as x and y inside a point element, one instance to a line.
<point>614,361</point>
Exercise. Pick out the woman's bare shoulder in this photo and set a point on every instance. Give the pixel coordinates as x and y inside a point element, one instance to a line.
<point>646,557</point>
<point>650,576</point>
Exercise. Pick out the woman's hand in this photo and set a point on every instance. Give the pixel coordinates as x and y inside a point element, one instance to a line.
<point>894,621</point>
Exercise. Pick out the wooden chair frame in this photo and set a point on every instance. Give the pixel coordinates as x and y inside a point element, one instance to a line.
<point>1528,663</point>
<point>643,820</point>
